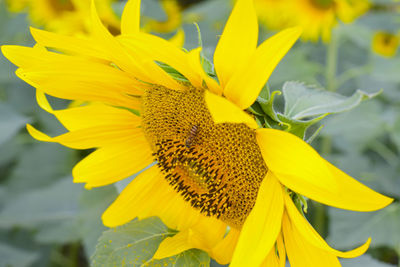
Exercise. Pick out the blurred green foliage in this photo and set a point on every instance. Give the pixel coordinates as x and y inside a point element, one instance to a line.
<point>46,220</point>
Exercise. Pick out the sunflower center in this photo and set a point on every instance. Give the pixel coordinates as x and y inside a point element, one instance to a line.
<point>323,4</point>
<point>388,39</point>
<point>59,7</point>
<point>217,168</point>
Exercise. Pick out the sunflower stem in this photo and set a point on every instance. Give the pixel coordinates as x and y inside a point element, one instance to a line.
<point>331,62</point>
<point>74,254</point>
<point>319,221</point>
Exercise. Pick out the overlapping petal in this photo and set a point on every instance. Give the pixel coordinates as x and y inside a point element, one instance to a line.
<point>93,137</point>
<point>245,85</point>
<point>130,20</point>
<point>308,233</point>
<point>223,251</point>
<point>296,164</point>
<point>224,111</point>
<point>114,162</point>
<point>92,115</point>
<point>73,78</point>
<point>262,226</point>
<point>133,62</point>
<point>300,252</point>
<point>238,41</point>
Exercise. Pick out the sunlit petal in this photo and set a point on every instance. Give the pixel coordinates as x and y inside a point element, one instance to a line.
<point>308,233</point>
<point>245,85</point>
<point>130,20</point>
<point>238,41</point>
<point>300,252</point>
<point>295,163</point>
<point>222,110</point>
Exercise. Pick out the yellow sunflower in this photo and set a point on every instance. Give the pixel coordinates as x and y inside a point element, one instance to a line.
<point>220,180</point>
<point>66,16</point>
<point>385,43</point>
<point>173,10</point>
<point>317,17</point>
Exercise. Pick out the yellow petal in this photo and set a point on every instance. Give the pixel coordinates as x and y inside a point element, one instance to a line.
<point>133,200</point>
<point>79,87</point>
<point>73,77</point>
<point>224,111</point>
<point>178,39</point>
<point>95,115</point>
<point>130,20</point>
<point>238,41</point>
<point>158,49</point>
<point>112,163</point>
<point>22,56</point>
<point>134,63</point>
<point>76,45</point>
<point>308,233</point>
<point>223,251</point>
<point>149,194</point>
<point>90,137</point>
<point>245,85</point>
<point>193,237</point>
<point>194,62</point>
<point>281,250</point>
<point>272,260</point>
<point>262,226</point>
<point>301,253</point>
<point>353,195</point>
<point>174,245</point>
<point>296,164</point>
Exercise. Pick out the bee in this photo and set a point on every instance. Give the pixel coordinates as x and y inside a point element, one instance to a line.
<point>192,136</point>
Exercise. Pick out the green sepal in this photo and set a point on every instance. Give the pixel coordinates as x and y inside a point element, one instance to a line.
<point>134,111</point>
<point>303,106</point>
<point>172,72</point>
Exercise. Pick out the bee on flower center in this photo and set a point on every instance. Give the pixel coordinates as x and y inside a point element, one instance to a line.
<point>191,138</point>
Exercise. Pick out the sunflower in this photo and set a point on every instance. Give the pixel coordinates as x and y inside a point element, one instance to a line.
<point>224,183</point>
<point>65,16</point>
<point>173,10</point>
<point>317,17</point>
<point>385,43</point>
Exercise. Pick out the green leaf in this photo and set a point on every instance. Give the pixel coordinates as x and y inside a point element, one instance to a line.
<point>132,244</point>
<point>10,122</point>
<point>15,257</point>
<point>296,66</point>
<point>348,229</point>
<point>303,102</point>
<point>189,258</point>
<point>92,204</point>
<point>357,129</point>
<point>40,165</point>
<point>305,106</point>
<point>52,204</point>
<point>65,231</point>
<point>395,133</point>
<point>363,261</point>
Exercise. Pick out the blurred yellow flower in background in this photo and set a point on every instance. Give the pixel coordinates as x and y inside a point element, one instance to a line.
<point>317,17</point>
<point>173,10</point>
<point>224,183</point>
<point>66,16</point>
<point>385,43</point>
